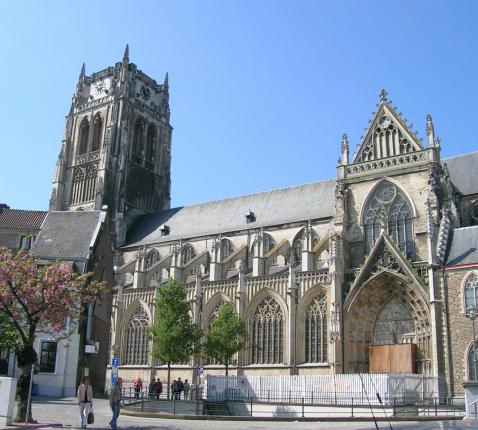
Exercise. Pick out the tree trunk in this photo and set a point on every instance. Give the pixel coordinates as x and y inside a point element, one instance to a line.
<point>23,385</point>
<point>169,377</point>
<point>25,358</point>
<point>227,368</point>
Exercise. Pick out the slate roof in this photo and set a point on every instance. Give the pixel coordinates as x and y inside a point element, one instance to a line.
<point>67,235</point>
<point>298,203</point>
<point>463,246</point>
<point>464,172</point>
<point>21,219</point>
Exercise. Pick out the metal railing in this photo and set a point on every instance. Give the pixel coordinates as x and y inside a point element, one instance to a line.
<point>144,400</point>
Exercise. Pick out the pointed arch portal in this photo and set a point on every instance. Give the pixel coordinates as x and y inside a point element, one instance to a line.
<point>387,309</point>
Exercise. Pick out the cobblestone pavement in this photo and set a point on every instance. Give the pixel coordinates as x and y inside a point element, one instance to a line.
<point>64,413</point>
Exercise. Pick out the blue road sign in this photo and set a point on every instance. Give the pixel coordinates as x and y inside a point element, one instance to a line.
<point>115,362</point>
<point>114,379</point>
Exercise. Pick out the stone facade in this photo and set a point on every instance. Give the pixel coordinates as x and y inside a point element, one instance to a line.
<point>116,149</point>
<point>319,272</point>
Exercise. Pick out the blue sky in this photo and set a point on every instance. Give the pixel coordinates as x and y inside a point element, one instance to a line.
<point>260,91</point>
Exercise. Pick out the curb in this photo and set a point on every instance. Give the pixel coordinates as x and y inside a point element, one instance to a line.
<point>285,419</point>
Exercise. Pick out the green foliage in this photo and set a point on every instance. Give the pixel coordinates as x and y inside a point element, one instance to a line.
<point>9,337</point>
<point>227,336</point>
<point>175,336</point>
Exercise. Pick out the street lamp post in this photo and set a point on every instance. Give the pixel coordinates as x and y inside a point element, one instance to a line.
<point>472,314</point>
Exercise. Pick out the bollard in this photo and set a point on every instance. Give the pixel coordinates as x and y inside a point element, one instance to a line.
<point>352,407</point>
<point>142,402</point>
<point>268,396</point>
<point>436,407</point>
<point>174,406</point>
<point>251,406</point>
<point>302,407</point>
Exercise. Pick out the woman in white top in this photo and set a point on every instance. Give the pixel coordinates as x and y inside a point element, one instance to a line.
<point>85,400</point>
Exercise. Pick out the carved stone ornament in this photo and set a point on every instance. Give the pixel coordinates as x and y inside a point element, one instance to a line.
<point>340,195</point>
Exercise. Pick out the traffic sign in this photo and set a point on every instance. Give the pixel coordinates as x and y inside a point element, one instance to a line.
<point>115,362</point>
<point>114,379</point>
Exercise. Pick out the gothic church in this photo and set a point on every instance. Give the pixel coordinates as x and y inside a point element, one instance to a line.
<point>330,277</point>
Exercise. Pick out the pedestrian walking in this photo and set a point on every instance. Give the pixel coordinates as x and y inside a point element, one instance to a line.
<point>115,401</point>
<point>159,388</point>
<point>186,388</point>
<point>138,386</point>
<point>84,395</point>
<point>152,389</point>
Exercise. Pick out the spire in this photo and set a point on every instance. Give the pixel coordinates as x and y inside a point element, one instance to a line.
<point>126,54</point>
<point>166,80</point>
<point>345,150</point>
<point>383,96</point>
<point>430,131</point>
<point>83,70</point>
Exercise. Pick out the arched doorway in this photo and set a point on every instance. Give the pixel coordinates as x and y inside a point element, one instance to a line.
<point>386,309</point>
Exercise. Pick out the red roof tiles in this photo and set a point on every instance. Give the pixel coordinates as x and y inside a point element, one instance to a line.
<point>16,218</point>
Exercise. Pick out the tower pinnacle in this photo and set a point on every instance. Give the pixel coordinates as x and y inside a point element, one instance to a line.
<point>126,54</point>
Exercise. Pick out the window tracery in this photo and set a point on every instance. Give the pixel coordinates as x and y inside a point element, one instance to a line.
<point>138,150</point>
<point>83,136</point>
<point>137,340</point>
<point>473,362</point>
<point>316,330</point>
<point>386,140</point>
<point>297,243</point>
<point>151,258</point>
<point>226,248</point>
<point>187,253</point>
<point>97,132</point>
<point>150,146</point>
<point>389,208</point>
<point>471,292</point>
<point>268,332</point>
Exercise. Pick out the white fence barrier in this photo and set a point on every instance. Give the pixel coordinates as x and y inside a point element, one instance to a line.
<point>359,389</point>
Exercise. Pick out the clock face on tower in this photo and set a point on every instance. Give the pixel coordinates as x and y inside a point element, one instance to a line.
<point>145,92</point>
<point>100,87</point>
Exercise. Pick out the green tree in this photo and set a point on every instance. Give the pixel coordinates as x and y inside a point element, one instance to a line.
<point>227,336</point>
<point>9,338</point>
<point>175,336</point>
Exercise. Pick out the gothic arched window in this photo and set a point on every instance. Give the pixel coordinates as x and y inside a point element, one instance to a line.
<point>471,292</point>
<point>97,131</point>
<point>226,248</point>
<point>388,207</point>
<point>212,318</point>
<point>138,149</point>
<point>83,136</point>
<point>297,243</point>
<point>268,333</point>
<point>187,253</point>
<point>137,339</point>
<point>268,242</point>
<point>473,363</point>
<point>316,330</point>
<point>151,258</point>
<point>150,142</point>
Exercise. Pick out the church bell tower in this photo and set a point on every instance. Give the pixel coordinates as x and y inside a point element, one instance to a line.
<point>116,149</point>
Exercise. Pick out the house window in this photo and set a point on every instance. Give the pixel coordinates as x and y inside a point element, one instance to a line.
<point>471,292</point>
<point>48,356</point>
<point>268,333</point>
<point>316,330</point>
